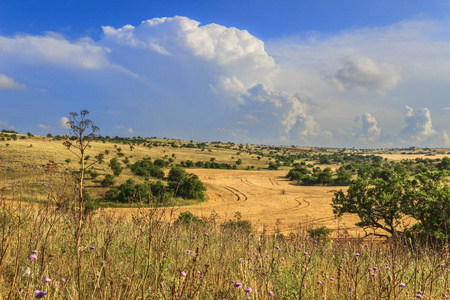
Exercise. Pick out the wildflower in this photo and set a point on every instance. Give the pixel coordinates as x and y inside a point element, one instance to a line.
<point>206,234</point>
<point>55,287</point>
<point>331,279</point>
<point>271,294</point>
<point>63,280</point>
<point>40,294</point>
<point>238,285</point>
<point>357,255</point>
<point>46,279</point>
<point>375,269</point>
<point>419,296</point>
<point>183,274</point>
<point>249,290</point>
<point>32,257</point>
<point>402,285</point>
<point>319,282</point>
<point>188,251</point>
<point>373,275</point>
<point>92,248</point>
<point>34,251</point>
<point>305,253</point>
<point>350,289</point>
<point>249,298</point>
<point>276,247</point>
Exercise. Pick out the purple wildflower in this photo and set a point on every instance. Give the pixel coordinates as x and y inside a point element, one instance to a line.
<point>373,275</point>
<point>402,285</point>
<point>32,257</point>
<point>238,285</point>
<point>249,290</point>
<point>188,251</point>
<point>183,274</point>
<point>350,289</point>
<point>63,280</point>
<point>92,248</point>
<point>419,296</point>
<point>278,248</point>
<point>271,294</point>
<point>46,279</point>
<point>357,255</point>
<point>40,294</point>
<point>34,251</point>
<point>319,282</point>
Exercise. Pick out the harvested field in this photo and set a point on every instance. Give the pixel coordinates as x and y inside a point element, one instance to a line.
<point>266,199</point>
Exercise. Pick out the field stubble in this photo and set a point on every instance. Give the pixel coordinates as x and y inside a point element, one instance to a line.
<point>271,202</point>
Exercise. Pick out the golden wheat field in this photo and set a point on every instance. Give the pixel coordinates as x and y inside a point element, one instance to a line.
<point>267,199</point>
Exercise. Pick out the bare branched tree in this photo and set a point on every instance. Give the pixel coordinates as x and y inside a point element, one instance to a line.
<point>84,131</point>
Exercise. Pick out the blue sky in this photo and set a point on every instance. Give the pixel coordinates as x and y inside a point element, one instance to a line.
<point>316,73</point>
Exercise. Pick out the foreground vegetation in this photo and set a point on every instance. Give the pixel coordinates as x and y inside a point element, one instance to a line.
<point>150,257</point>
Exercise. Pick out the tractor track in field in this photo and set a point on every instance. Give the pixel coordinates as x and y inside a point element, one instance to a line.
<point>240,195</point>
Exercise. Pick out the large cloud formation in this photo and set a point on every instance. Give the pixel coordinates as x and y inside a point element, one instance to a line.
<point>178,78</point>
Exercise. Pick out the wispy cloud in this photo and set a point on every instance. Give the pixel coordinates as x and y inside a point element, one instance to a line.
<point>9,83</point>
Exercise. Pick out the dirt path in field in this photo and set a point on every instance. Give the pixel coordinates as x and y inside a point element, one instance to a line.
<point>266,199</point>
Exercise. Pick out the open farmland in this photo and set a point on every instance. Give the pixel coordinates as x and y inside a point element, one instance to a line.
<point>268,200</point>
<point>265,197</point>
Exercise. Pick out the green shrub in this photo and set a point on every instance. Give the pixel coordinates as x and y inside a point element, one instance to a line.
<point>108,180</point>
<point>321,232</point>
<point>238,225</point>
<point>188,218</point>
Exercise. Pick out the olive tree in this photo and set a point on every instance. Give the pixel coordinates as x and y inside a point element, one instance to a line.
<point>377,202</point>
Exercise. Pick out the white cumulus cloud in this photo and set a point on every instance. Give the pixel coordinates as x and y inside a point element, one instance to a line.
<point>173,36</point>
<point>44,126</point>
<point>368,127</point>
<point>54,49</point>
<point>63,123</point>
<point>364,73</point>
<point>418,124</point>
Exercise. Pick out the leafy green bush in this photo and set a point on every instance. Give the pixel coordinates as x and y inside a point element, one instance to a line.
<point>188,218</point>
<point>115,166</point>
<point>108,180</point>
<point>321,232</point>
<point>186,185</point>
<point>146,168</point>
<point>132,192</point>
